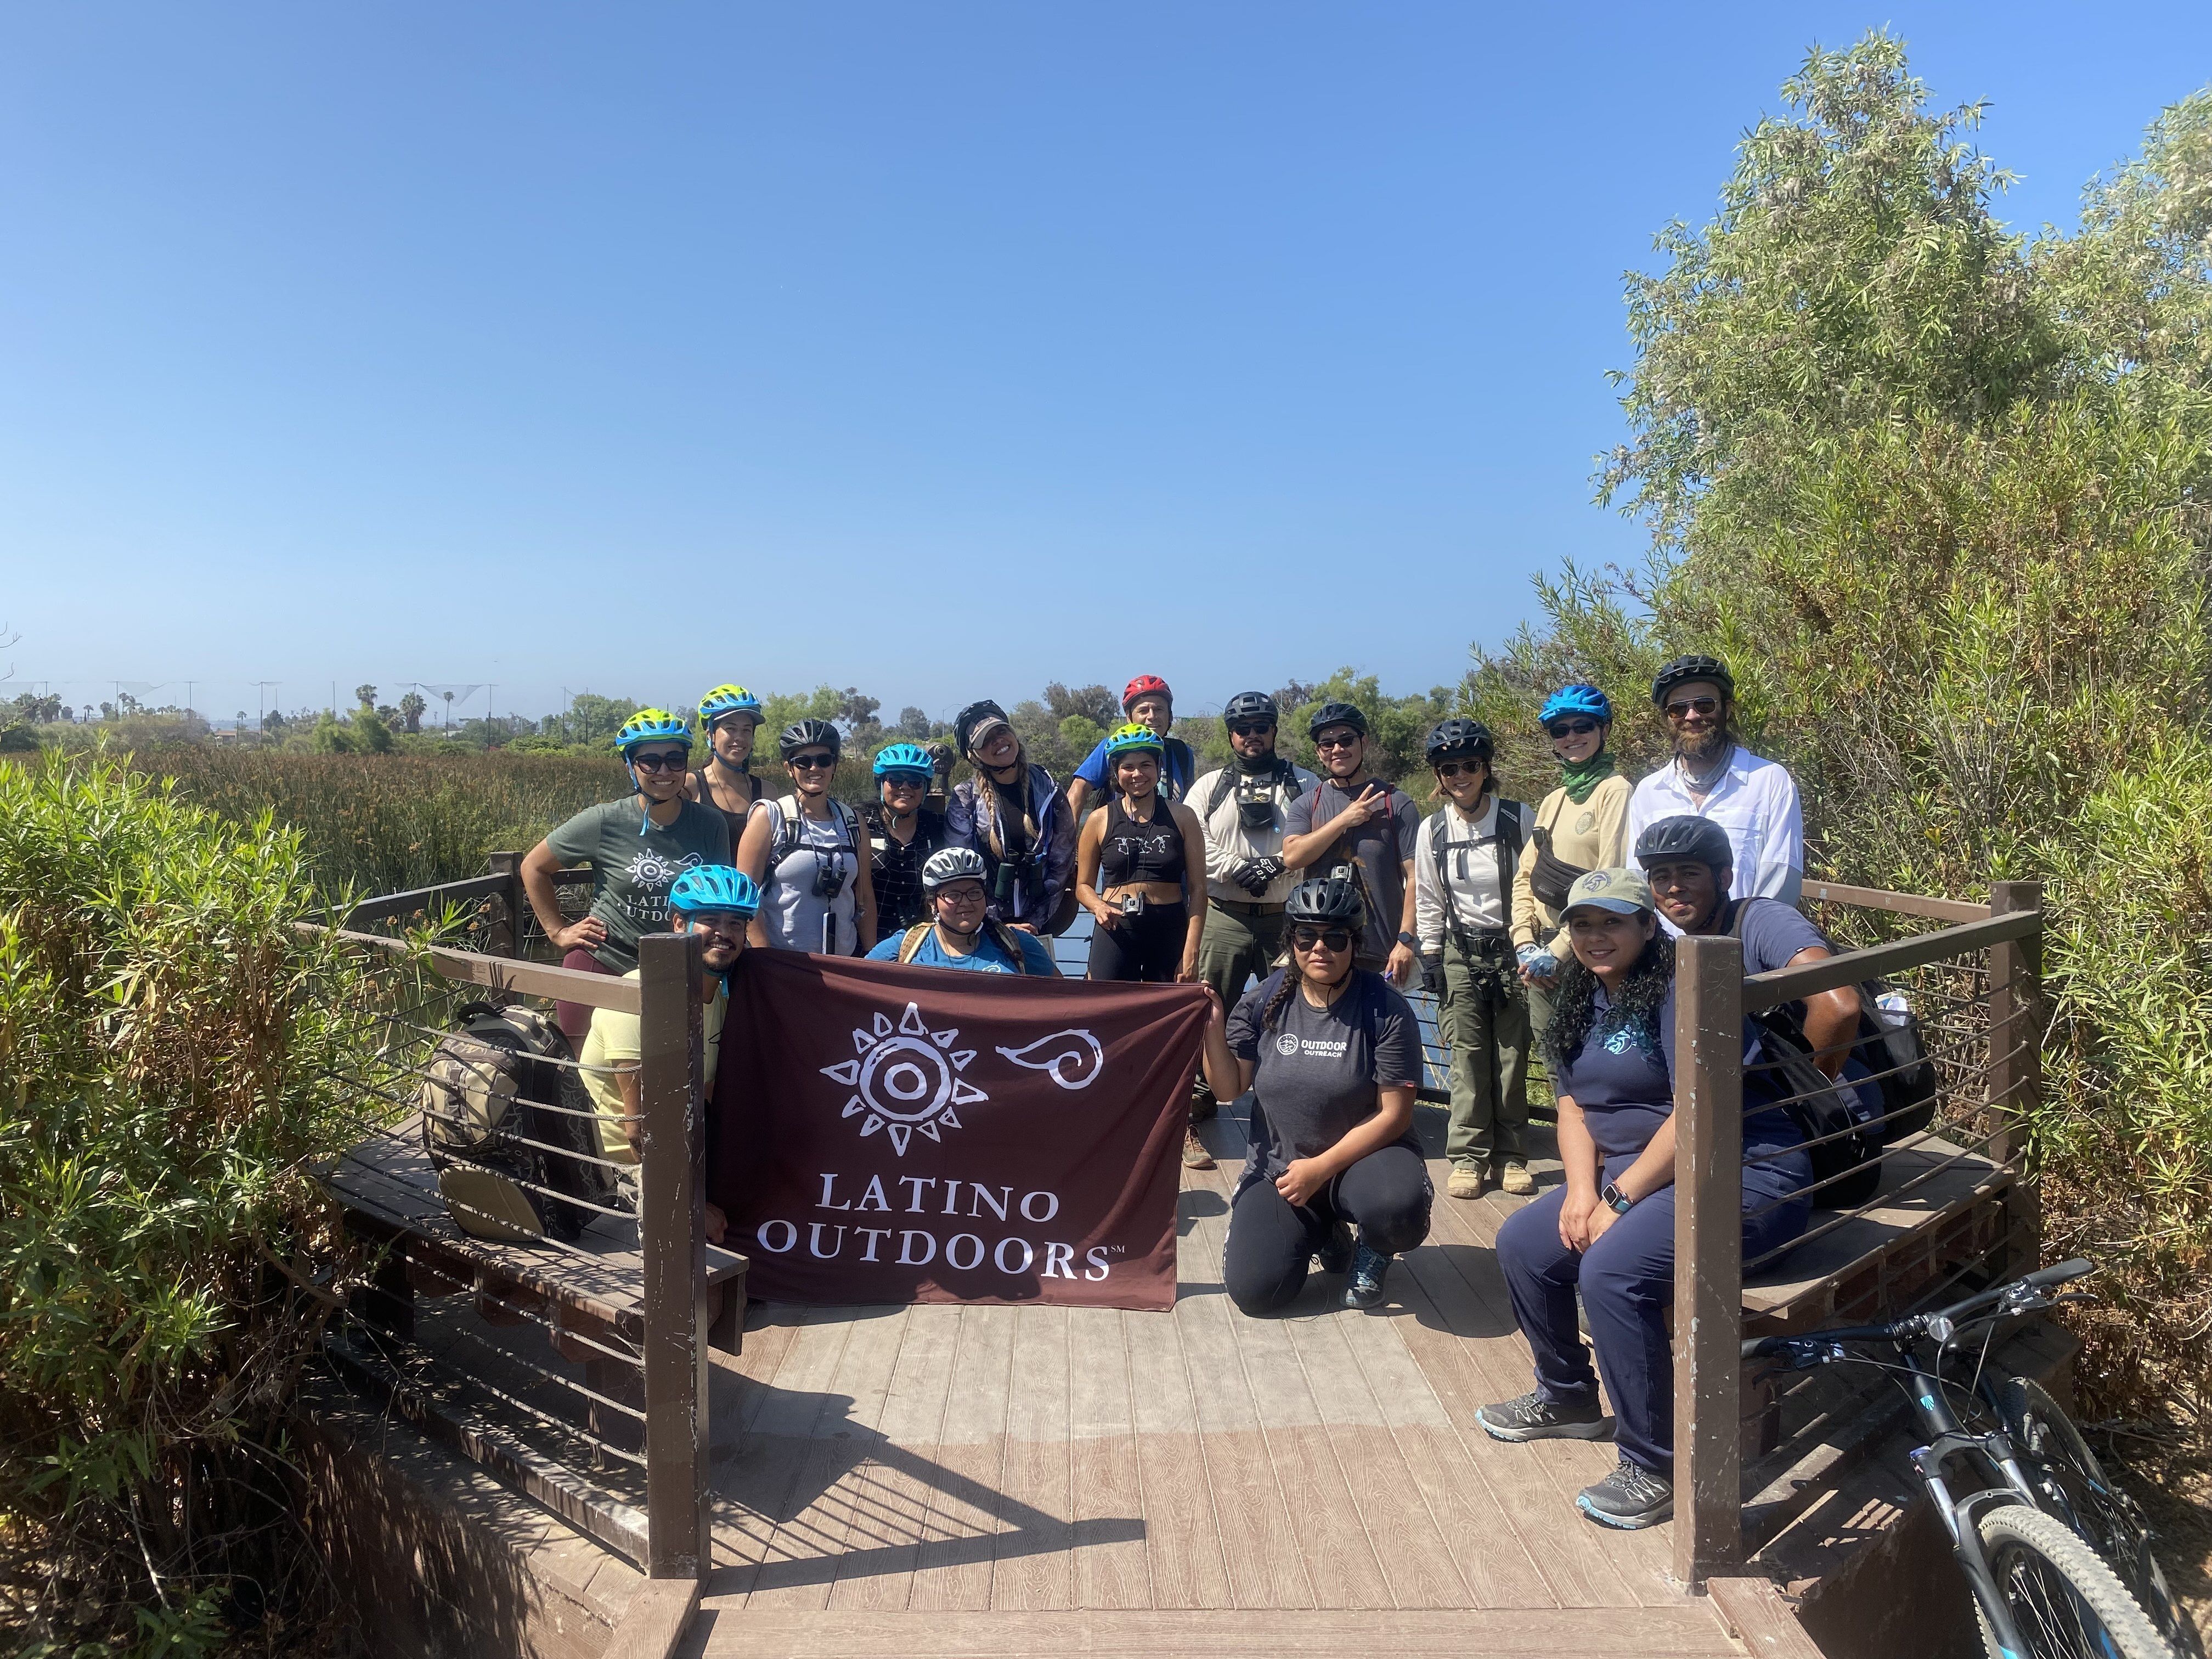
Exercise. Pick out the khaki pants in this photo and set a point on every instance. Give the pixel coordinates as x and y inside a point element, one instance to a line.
<point>1484,1018</point>
<point>1233,952</point>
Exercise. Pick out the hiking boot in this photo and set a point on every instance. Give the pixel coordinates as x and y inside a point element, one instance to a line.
<point>1203,1107</point>
<point>1195,1155</point>
<point>1468,1181</point>
<point>1630,1497</point>
<point>1516,1180</point>
<point>1531,1417</point>
<point>1364,1288</point>
<point>1336,1253</point>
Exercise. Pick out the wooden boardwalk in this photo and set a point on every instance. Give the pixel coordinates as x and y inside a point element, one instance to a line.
<point>953,1480</point>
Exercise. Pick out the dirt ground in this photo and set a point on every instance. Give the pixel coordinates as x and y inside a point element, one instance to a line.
<point>2174,1486</point>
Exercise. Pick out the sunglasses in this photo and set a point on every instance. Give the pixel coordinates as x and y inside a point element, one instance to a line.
<point>817,762</point>
<point>1251,731</point>
<point>905,781</point>
<point>663,761</point>
<point>1575,728</point>
<point>1334,940</point>
<point>1344,742</point>
<point>1683,706</point>
<point>1453,769</point>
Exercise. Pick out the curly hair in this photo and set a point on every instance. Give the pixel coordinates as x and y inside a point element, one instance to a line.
<point>1574,1004</point>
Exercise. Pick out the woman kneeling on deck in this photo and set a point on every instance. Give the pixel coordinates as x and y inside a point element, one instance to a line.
<point>1610,1230</point>
<point>1332,1056</point>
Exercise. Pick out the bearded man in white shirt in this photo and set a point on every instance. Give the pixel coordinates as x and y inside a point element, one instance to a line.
<point>1714,776</point>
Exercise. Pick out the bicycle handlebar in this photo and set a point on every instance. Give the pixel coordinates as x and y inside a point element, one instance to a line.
<point>1761,1348</point>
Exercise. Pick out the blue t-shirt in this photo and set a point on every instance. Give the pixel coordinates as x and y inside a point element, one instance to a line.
<point>1623,1077</point>
<point>987,958</point>
<point>1175,777</point>
<point>1773,932</point>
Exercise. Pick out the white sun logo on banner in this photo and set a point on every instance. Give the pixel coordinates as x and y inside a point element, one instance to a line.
<point>905,1080</point>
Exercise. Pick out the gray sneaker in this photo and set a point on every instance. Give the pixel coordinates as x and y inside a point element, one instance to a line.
<point>1531,1417</point>
<point>1631,1498</point>
<point>1334,1256</point>
<point>1364,1289</point>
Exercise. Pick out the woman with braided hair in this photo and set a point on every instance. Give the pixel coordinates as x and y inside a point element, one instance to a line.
<point>1012,812</point>
<point>1329,1056</point>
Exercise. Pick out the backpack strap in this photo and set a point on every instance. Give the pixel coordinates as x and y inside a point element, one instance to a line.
<point>1009,944</point>
<point>1507,838</point>
<point>912,942</point>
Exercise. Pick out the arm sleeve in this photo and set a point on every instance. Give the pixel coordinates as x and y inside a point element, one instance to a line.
<point>1612,842</point>
<point>1218,855</point>
<point>1398,1046</point>
<point>887,950</point>
<point>1640,816</point>
<point>1060,855</point>
<point>1782,848</point>
<point>1038,954</point>
<point>1243,1028</point>
<point>960,820</point>
<point>1428,902</point>
<point>620,1034</point>
<point>1408,818</point>
<point>1526,925</point>
<point>576,841</point>
<point>1772,933</point>
<point>1298,816</point>
<point>1093,769</point>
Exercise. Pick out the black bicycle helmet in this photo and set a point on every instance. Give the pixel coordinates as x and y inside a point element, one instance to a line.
<point>1336,714</point>
<point>974,714</point>
<point>808,735</point>
<point>1459,739</point>
<point>1698,840</point>
<point>1250,706</point>
<point>1683,670</point>
<point>1325,901</point>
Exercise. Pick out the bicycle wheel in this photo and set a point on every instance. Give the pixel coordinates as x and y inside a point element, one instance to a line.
<point>2067,1604</point>
<point>2077,1490</point>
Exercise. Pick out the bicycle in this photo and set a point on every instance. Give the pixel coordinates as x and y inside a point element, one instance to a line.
<point>2058,1557</point>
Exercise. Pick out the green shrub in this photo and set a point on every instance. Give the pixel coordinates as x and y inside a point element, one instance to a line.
<point>169,1044</point>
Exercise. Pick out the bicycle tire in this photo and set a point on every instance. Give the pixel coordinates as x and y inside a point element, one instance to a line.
<point>2067,1604</point>
<point>2084,1497</point>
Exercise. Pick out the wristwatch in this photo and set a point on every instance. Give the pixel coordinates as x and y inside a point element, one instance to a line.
<point>1409,941</point>
<point>1615,1199</point>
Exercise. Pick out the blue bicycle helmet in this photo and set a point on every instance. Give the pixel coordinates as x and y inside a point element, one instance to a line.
<point>651,726</point>
<point>718,887</point>
<point>904,757</point>
<point>728,700</point>
<point>1577,698</point>
<point>1135,739</point>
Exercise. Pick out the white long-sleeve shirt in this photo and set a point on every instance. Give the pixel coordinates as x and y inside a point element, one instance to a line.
<point>1228,842</point>
<point>1755,801</point>
<point>1474,893</point>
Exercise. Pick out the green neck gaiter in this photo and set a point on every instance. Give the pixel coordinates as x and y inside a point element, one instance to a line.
<point>1580,779</point>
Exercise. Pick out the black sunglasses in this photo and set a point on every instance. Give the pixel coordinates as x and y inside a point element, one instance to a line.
<point>1453,769</point>
<point>1252,730</point>
<point>905,781</point>
<point>663,761</point>
<point>1575,728</point>
<point>1334,940</point>
<point>816,762</point>
<point>1683,706</point>
<point>1344,742</point>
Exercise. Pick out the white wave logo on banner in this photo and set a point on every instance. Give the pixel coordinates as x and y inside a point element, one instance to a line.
<point>905,1080</point>
<point>1073,1057</point>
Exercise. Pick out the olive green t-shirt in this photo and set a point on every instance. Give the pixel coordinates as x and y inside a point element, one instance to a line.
<point>631,872</point>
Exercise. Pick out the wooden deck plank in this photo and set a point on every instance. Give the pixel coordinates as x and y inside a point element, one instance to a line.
<point>1031,1569</point>
<point>753,1491</point>
<point>1108,1495</point>
<point>1183,1536</point>
<point>797,1568</point>
<point>964,1510</point>
<point>883,1540</point>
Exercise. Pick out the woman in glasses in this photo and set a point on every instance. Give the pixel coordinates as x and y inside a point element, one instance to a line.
<point>1581,825</point>
<point>803,849</point>
<point>636,847</point>
<point>1331,1055</point>
<point>730,716</point>
<point>902,834</point>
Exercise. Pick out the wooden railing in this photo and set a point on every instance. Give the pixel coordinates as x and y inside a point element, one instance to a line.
<point>672,1542</point>
<point>1712,998</point>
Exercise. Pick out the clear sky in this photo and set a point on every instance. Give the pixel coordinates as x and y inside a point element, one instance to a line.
<point>937,348</point>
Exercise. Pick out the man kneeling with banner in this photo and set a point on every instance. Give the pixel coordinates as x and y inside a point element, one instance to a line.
<point>887,1132</point>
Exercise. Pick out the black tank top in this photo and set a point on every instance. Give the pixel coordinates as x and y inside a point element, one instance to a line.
<point>735,820</point>
<point>1133,851</point>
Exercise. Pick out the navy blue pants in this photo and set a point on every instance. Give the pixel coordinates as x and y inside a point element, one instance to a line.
<point>1627,1279</point>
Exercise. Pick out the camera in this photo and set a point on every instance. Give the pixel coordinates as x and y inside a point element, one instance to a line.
<point>1132,905</point>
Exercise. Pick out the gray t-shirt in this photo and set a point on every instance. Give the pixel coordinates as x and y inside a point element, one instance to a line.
<point>630,872</point>
<point>1378,850</point>
<point>1317,1069</point>
<point>791,910</point>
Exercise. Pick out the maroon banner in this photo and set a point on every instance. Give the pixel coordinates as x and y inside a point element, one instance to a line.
<point>883,1134</point>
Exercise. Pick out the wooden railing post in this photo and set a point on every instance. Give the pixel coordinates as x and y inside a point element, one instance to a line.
<point>2016,1070</point>
<point>1708,1257</point>
<point>671,1221</point>
<point>504,937</point>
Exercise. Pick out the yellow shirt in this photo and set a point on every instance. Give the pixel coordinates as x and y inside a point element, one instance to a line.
<point>1593,836</point>
<point>613,1039</point>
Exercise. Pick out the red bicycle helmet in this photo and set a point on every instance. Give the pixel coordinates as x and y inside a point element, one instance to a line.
<point>1144,685</point>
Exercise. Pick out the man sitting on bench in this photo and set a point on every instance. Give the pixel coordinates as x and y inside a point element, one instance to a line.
<point>715,902</point>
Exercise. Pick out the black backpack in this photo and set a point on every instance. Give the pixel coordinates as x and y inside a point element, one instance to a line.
<point>499,1112</point>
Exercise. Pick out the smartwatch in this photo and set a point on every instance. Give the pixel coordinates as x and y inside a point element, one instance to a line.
<point>1409,941</point>
<point>1615,1199</point>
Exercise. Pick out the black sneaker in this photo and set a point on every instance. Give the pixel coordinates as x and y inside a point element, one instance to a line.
<point>1630,1497</point>
<point>1531,1417</point>
<point>1334,1256</point>
<point>1364,1288</point>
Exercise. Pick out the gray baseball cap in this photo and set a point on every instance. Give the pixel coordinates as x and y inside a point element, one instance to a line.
<point>1623,891</point>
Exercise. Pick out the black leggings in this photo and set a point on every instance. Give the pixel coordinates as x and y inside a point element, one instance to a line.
<point>1147,946</point>
<point>1387,1194</point>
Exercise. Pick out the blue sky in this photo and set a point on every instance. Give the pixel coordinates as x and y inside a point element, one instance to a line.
<point>940,350</point>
